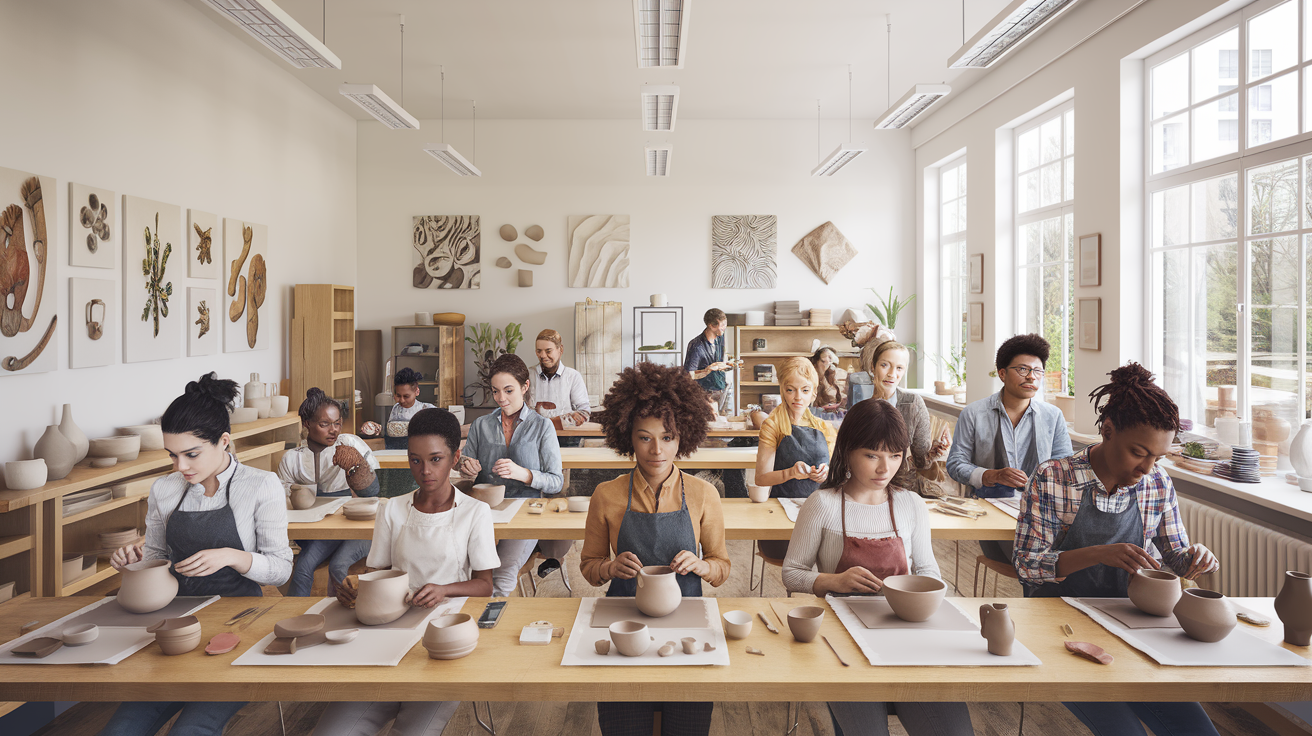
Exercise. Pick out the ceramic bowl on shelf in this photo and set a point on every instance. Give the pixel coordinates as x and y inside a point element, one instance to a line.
<point>449,319</point>
<point>737,624</point>
<point>76,503</point>
<point>914,597</point>
<point>243,415</point>
<point>76,636</point>
<point>24,475</point>
<point>75,568</point>
<point>116,538</point>
<point>491,494</point>
<point>152,435</point>
<point>125,447</point>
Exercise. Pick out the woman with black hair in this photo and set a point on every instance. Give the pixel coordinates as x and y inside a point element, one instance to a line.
<point>1090,521</point>
<point>655,515</point>
<point>405,392</point>
<point>335,464</point>
<point>858,529</point>
<point>221,524</point>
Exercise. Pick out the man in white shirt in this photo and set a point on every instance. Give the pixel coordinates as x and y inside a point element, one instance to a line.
<point>557,391</point>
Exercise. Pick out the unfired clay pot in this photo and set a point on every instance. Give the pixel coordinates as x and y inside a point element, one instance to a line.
<point>147,586</point>
<point>1205,615</point>
<point>757,418</point>
<point>1155,592</point>
<point>737,624</point>
<point>914,597</point>
<point>59,453</point>
<point>451,637</point>
<point>997,628</point>
<point>152,435</point>
<point>658,591</point>
<point>804,622</point>
<point>383,598</point>
<point>74,433</point>
<point>302,497</point>
<point>491,494</point>
<point>1294,607</point>
<point>758,494</point>
<point>24,475</point>
<point>630,637</point>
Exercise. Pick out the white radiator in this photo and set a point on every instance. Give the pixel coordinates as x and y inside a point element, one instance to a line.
<point>1253,558</point>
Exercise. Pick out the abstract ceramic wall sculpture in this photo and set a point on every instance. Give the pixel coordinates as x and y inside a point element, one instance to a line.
<point>743,251</point>
<point>825,251</point>
<point>245,250</point>
<point>92,322</point>
<point>202,332</point>
<point>91,227</point>
<point>599,251</point>
<point>448,252</point>
<point>203,259</point>
<point>27,273</point>
<point>152,323</point>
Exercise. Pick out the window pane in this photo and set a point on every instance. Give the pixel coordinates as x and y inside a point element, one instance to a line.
<point>1170,82</point>
<point>950,225</point>
<point>1307,96</point>
<point>1031,298</point>
<point>1216,65</point>
<point>1027,149</point>
<point>1273,198</point>
<point>1273,40</point>
<point>1054,314</point>
<point>1216,208</point>
<point>1028,191</point>
<point>1070,178</point>
<point>1052,239</point>
<point>1051,183</point>
<point>1031,240</point>
<point>1171,217</point>
<point>1216,128</point>
<point>961,180</point>
<point>961,214</point>
<point>1273,110</point>
<point>948,186</point>
<point>1274,365</point>
<point>1199,326</point>
<point>1170,144</point>
<point>950,265</point>
<point>1050,138</point>
<point>1069,223</point>
<point>1273,271</point>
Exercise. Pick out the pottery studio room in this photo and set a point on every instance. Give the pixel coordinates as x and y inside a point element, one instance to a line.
<point>656,368</point>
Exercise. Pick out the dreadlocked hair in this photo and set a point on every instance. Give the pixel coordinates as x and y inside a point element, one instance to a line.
<point>1132,399</point>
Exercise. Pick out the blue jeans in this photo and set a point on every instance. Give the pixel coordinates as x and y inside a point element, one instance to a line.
<point>340,554</point>
<point>1165,719</point>
<point>144,719</point>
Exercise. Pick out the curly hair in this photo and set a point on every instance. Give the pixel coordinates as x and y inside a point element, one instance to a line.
<point>407,377</point>
<point>1030,344</point>
<point>1132,399</point>
<point>438,422</point>
<point>651,390</point>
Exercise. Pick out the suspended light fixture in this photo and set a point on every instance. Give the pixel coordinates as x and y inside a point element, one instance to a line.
<point>379,105</point>
<point>845,153</point>
<point>660,106</point>
<point>447,153</point>
<point>661,30</point>
<point>658,158</point>
<point>273,27</point>
<point>919,99</point>
<point>1017,22</point>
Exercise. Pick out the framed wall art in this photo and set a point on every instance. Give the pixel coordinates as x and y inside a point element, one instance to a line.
<point>1090,323</point>
<point>92,230</point>
<point>977,273</point>
<point>1089,259</point>
<point>153,312</point>
<point>975,321</point>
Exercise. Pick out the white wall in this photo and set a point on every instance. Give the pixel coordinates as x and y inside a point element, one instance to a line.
<point>154,98</point>
<point>540,172</point>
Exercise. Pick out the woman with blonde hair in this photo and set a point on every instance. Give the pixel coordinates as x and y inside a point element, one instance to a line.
<point>886,362</point>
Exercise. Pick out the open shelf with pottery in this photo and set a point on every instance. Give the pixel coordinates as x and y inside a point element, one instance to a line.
<point>323,344</point>
<point>442,363</point>
<point>782,343</point>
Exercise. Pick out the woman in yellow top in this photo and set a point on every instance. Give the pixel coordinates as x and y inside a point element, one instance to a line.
<point>655,515</point>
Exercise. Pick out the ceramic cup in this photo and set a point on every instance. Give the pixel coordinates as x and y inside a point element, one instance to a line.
<point>491,494</point>
<point>578,504</point>
<point>631,638</point>
<point>804,622</point>
<point>737,624</point>
<point>24,475</point>
<point>278,405</point>
<point>914,597</point>
<point>758,494</point>
<point>1155,592</point>
<point>76,636</point>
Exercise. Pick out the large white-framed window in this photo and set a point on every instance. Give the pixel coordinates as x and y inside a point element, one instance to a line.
<point>953,270</point>
<point>1045,238</point>
<point>1229,220</point>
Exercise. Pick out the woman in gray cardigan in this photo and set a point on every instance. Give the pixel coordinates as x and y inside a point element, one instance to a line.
<point>886,362</point>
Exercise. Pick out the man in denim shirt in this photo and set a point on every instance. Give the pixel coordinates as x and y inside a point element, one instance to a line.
<point>704,359</point>
<point>1000,440</point>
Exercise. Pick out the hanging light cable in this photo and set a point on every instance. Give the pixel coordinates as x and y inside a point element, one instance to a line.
<point>919,99</point>
<point>445,152</point>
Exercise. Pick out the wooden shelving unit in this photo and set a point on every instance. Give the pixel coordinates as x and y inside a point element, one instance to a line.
<point>782,343</point>
<point>443,364</point>
<point>323,344</point>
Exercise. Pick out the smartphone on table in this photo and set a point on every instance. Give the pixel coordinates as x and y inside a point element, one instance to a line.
<point>491,614</point>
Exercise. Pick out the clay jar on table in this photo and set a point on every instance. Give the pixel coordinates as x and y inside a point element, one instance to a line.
<point>302,497</point>
<point>1155,592</point>
<point>147,586</point>
<point>758,494</point>
<point>384,597</point>
<point>1294,607</point>
<point>1205,615</point>
<point>658,591</point>
<point>59,453</point>
<point>995,625</point>
<point>630,637</point>
<point>451,637</point>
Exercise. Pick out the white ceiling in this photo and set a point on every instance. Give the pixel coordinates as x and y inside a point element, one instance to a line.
<point>534,59</point>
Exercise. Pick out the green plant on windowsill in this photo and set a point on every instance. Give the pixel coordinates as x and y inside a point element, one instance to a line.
<point>955,364</point>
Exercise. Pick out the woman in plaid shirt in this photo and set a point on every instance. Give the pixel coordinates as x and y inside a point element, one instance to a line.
<point>1077,538</point>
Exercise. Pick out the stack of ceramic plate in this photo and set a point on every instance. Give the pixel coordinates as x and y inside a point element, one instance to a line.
<point>115,538</point>
<point>1243,466</point>
<point>76,503</point>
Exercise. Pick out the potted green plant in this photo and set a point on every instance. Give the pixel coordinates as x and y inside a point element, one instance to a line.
<point>954,364</point>
<point>488,345</point>
<point>889,308</point>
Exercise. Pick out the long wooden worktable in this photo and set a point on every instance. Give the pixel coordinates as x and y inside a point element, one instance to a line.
<point>742,520</point>
<point>501,669</point>
<point>604,458</point>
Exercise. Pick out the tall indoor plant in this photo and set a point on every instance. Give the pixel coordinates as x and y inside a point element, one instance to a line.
<point>488,345</point>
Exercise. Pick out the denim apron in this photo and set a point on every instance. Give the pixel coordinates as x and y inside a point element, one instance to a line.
<point>805,444</point>
<point>1092,527</point>
<point>656,538</point>
<point>189,532</point>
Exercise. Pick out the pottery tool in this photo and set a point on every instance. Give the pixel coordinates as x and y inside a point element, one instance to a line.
<point>1091,652</point>
<point>1067,630</point>
<point>28,626</point>
<point>1253,619</point>
<point>769,626</point>
<point>251,619</point>
<point>835,651</point>
<point>954,511</point>
<point>240,616</point>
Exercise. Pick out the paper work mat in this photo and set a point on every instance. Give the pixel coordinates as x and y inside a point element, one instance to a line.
<point>691,614</point>
<point>791,507</point>
<point>926,648</point>
<point>504,512</point>
<point>1009,506</point>
<point>116,642</point>
<point>374,647</point>
<point>323,506</point>
<point>1174,648</point>
<point>580,649</point>
<point>338,617</point>
<point>876,613</point>
<point>1130,616</point>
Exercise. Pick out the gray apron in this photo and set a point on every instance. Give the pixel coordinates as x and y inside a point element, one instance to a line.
<point>523,454</point>
<point>189,532</point>
<point>1090,528</point>
<point>805,444</point>
<point>656,538</point>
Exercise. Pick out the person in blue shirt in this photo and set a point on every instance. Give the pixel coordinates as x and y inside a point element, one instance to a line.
<point>704,358</point>
<point>1000,440</point>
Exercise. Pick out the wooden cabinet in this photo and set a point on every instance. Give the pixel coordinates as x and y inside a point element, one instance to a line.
<point>782,343</point>
<point>441,360</point>
<point>323,345</point>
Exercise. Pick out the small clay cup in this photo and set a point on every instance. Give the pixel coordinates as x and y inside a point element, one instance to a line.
<point>76,636</point>
<point>1155,592</point>
<point>578,504</point>
<point>914,597</point>
<point>758,494</point>
<point>804,622</point>
<point>737,624</point>
<point>490,493</point>
<point>631,638</point>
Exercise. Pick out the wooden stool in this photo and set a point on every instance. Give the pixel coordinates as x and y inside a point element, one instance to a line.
<point>999,569</point>
<point>527,569</point>
<point>759,585</point>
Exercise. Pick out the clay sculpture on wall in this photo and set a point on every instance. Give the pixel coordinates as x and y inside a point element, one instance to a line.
<point>508,233</point>
<point>91,229</point>
<point>158,290</point>
<point>147,586</point>
<point>997,628</point>
<point>825,251</point>
<point>530,256</point>
<point>658,591</point>
<point>533,232</point>
<point>743,251</point>
<point>91,303</point>
<point>152,328</point>
<point>247,284</point>
<point>23,223</point>
<point>1294,607</point>
<point>503,262</point>
<point>203,262</point>
<point>257,279</point>
<point>204,244</point>
<point>202,318</point>
<point>525,277</point>
<point>598,251</point>
<point>447,252</point>
<point>236,281</point>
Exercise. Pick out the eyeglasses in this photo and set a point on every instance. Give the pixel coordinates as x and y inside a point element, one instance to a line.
<point>1025,371</point>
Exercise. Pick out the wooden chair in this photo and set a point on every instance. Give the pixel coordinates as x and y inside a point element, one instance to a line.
<point>759,585</point>
<point>527,569</point>
<point>1000,569</point>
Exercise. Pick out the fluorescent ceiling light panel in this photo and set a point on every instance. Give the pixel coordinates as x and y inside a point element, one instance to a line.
<point>660,105</point>
<point>447,154</point>
<point>919,99</point>
<point>658,159</point>
<point>379,105</point>
<point>273,27</point>
<point>841,157</point>
<point>661,28</point>
<point>1008,29</point>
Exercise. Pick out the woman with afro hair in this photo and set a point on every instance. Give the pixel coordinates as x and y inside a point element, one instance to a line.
<point>655,515</point>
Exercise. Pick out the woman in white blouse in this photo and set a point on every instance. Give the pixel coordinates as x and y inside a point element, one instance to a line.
<point>221,524</point>
<point>858,529</point>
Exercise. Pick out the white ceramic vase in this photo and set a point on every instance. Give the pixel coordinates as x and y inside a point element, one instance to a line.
<point>1300,450</point>
<point>74,433</point>
<point>59,453</point>
<point>254,389</point>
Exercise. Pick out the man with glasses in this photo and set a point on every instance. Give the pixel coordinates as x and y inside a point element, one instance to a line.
<point>999,441</point>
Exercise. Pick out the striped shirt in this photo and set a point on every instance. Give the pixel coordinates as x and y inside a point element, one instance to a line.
<point>1052,498</point>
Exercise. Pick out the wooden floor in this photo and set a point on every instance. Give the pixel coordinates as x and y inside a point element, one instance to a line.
<point>730,718</point>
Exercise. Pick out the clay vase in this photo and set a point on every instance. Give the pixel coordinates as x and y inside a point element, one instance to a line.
<point>658,591</point>
<point>1205,615</point>
<point>384,597</point>
<point>147,586</point>
<point>1300,451</point>
<point>914,597</point>
<point>630,637</point>
<point>451,637</point>
<point>1294,607</point>
<point>1155,592</point>
<point>74,433</point>
<point>254,389</point>
<point>302,497</point>
<point>995,625</point>
<point>804,622</point>
<point>59,453</point>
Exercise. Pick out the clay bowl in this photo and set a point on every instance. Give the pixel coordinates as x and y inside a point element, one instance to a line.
<point>1155,592</point>
<point>914,597</point>
<point>125,447</point>
<point>737,624</point>
<point>76,636</point>
<point>341,636</point>
<point>804,622</point>
<point>104,462</point>
<point>174,628</point>
<point>175,645</point>
<point>1205,615</point>
<point>361,509</point>
<point>578,504</point>
<point>244,415</point>
<point>451,637</point>
<point>631,638</point>
<point>72,568</point>
<point>303,625</point>
<point>450,319</point>
<point>758,494</point>
<point>464,486</point>
<point>489,493</point>
<point>152,435</point>
<point>24,475</point>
